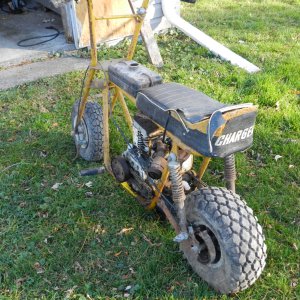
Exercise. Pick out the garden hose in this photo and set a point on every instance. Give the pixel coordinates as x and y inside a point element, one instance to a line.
<point>50,36</point>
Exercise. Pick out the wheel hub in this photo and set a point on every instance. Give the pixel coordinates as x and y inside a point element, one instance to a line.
<point>81,136</point>
<point>120,169</point>
<point>208,247</point>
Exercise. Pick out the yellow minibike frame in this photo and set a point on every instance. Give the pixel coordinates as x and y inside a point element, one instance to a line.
<point>119,95</point>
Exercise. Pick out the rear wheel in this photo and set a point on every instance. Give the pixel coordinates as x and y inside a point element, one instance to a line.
<point>228,251</point>
<point>89,138</point>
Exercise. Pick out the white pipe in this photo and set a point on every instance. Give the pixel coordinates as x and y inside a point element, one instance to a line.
<point>205,40</point>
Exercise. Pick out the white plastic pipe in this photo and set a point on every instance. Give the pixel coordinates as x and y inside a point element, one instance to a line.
<point>205,40</point>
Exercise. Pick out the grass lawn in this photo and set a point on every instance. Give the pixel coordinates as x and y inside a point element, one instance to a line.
<point>69,243</point>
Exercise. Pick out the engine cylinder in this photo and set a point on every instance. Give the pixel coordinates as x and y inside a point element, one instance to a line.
<point>159,162</point>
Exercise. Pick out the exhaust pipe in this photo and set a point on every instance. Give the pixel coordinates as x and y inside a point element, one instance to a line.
<point>205,40</point>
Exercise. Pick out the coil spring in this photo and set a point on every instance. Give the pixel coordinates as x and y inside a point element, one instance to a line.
<point>140,142</point>
<point>146,141</point>
<point>178,194</point>
<point>230,172</point>
<point>229,167</point>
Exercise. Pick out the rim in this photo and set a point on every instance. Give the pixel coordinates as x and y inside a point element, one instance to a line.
<point>82,137</point>
<point>208,245</point>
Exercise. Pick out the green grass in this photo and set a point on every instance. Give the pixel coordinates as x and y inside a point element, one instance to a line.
<point>60,244</point>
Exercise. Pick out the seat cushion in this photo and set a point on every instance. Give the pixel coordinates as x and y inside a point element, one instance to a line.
<point>193,106</point>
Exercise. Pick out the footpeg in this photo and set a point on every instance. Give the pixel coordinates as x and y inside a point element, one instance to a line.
<point>182,236</point>
<point>91,172</point>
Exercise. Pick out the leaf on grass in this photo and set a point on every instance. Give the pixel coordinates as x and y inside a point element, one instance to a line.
<point>150,242</point>
<point>20,281</point>
<point>70,292</point>
<point>56,186</point>
<point>117,254</point>
<point>295,246</point>
<point>89,184</point>
<point>48,239</point>
<point>277,157</point>
<point>42,214</point>
<point>179,283</point>
<point>128,288</point>
<point>39,269</point>
<point>22,204</point>
<point>294,283</point>
<point>78,267</point>
<point>47,281</point>
<point>252,174</point>
<point>89,194</point>
<point>125,230</point>
<point>12,139</point>
<point>43,154</point>
<point>43,109</point>
<point>99,229</point>
<point>171,288</point>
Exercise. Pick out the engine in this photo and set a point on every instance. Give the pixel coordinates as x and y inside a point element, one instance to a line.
<point>144,161</point>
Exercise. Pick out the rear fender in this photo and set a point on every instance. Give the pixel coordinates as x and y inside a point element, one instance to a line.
<point>237,134</point>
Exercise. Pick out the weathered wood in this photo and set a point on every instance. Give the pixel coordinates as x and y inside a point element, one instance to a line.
<point>112,31</point>
<point>149,41</point>
<point>67,23</point>
<point>151,45</point>
<point>106,29</point>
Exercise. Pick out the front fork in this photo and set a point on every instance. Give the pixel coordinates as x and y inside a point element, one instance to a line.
<point>178,194</point>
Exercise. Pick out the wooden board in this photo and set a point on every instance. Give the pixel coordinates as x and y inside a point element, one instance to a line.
<point>106,29</point>
<point>151,45</point>
<point>114,30</point>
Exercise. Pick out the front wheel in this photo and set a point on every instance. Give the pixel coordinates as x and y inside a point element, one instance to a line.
<point>228,250</point>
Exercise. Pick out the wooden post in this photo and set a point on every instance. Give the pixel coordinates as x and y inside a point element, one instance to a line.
<point>151,45</point>
<point>149,39</point>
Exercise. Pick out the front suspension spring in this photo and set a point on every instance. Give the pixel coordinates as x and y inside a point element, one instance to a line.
<point>178,194</point>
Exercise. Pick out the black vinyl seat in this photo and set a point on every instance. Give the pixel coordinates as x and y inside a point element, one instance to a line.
<point>191,105</point>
